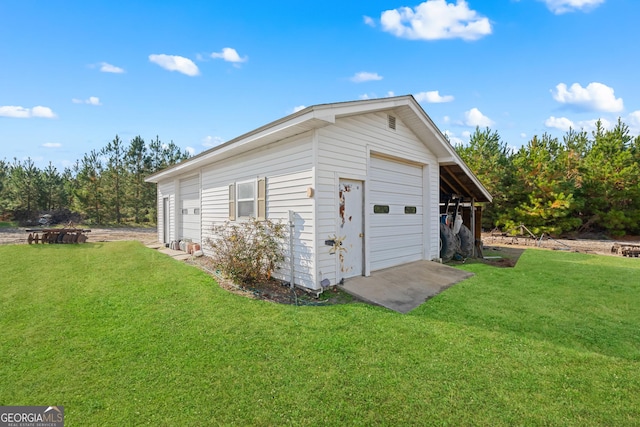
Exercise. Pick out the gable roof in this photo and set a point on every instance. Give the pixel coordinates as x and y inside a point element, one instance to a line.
<point>460,179</point>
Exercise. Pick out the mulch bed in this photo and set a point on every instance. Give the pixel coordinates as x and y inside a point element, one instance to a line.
<point>273,290</point>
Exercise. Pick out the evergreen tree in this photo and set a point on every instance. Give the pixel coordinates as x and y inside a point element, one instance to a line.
<point>24,186</point>
<point>90,191</point>
<point>611,171</point>
<point>543,198</point>
<point>490,160</point>
<point>4,187</point>
<point>138,166</point>
<point>115,177</point>
<point>53,192</point>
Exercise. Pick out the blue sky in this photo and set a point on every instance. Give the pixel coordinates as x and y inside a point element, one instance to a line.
<point>74,74</point>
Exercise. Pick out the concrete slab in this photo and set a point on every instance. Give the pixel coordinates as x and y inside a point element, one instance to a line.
<point>179,255</point>
<point>405,287</point>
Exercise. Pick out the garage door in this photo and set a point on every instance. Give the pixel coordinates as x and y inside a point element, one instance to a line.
<point>190,209</point>
<point>395,213</point>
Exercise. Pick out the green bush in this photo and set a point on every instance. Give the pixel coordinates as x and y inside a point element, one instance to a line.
<point>248,251</point>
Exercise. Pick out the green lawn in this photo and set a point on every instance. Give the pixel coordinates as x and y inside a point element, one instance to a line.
<point>122,335</point>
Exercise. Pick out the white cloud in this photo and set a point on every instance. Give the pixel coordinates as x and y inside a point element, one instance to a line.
<point>474,117</point>
<point>93,100</point>
<point>298,108</point>
<point>230,55</point>
<point>175,63</point>
<point>369,21</point>
<point>52,145</point>
<point>563,6</point>
<point>435,20</point>
<point>453,139</point>
<point>365,76</point>
<point>634,122</point>
<point>523,135</point>
<point>108,68</point>
<point>15,111</point>
<point>211,141</point>
<point>373,95</point>
<point>432,97</point>
<point>561,123</point>
<point>595,97</point>
<point>564,124</point>
<point>466,134</point>
<point>190,150</point>
<point>41,111</point>
<point>590,125</point>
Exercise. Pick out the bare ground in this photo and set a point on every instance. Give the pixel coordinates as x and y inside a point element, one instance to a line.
<point>583,245</point>
<point>145,235</point>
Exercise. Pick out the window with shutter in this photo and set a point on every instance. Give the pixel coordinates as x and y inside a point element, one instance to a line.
<point>248,199</point>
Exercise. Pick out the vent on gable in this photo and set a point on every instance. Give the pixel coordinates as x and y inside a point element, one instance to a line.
<point>392,121</point>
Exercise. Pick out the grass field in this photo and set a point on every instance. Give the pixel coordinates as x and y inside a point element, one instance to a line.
<point>120,334</point>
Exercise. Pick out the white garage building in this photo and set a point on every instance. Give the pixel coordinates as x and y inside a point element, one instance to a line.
<point>363,177</point>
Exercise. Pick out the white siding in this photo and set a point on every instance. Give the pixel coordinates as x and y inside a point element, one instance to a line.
<point>166,189</point>
<point>288,168</point>
<point>318,159</point>
<point>343,152</point>
<point>396,237</point>
<point>189,210</point>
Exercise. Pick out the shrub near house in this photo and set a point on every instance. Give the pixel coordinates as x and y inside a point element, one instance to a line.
<point>249,251</point>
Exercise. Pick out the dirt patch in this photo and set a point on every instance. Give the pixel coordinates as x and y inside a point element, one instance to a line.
<point>10,236</point>
<point>501,256</point>
<point>504,251</point>
<point>601,246</point>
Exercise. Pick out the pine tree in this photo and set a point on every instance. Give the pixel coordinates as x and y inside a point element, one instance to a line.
<point>490,160</point>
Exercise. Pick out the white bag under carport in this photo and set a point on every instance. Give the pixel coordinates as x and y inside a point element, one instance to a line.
<point>457,224</point>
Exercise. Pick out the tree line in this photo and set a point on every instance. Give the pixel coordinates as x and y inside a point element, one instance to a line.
<point>583,182</point>
<point>104,186</point>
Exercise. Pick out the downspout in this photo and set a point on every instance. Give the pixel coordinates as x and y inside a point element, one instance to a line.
<point>292,225</point>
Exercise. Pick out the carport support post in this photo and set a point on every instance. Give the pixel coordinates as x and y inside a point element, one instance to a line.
<point>473,226</point>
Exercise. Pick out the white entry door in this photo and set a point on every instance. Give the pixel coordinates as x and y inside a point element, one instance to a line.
<point>350,228</point>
